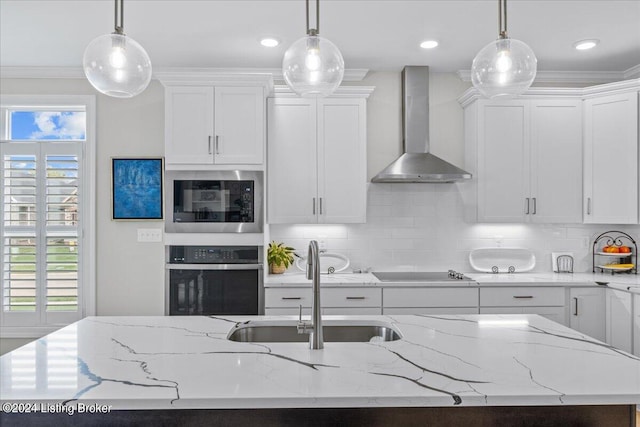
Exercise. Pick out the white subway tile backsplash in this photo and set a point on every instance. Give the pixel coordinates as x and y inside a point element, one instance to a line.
<point>379,211</point>
<point>421,227</point>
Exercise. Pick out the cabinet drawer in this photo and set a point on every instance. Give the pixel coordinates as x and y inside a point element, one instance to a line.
<point>351,297</point>
<point>329,297</point>
<point>332,311</point>
<point>430,297</point>
<point>430,310</point>
<point>521,296</point>
<point>287,297</point>
<point>557,314</point>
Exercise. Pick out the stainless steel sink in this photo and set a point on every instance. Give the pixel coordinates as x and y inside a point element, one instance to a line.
<point>279,331</point>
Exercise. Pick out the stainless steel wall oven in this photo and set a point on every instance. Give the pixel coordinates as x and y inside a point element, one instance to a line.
<point>214,280</point>
<point>214,202</point>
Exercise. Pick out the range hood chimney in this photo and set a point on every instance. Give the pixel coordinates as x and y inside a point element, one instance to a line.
<point>417,164</point>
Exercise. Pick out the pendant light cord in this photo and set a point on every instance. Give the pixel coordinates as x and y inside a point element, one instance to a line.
<point>502,16</point>
<point>312,31</point>
<point>119,17</point>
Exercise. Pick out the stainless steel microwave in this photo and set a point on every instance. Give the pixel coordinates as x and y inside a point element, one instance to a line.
<point>214,202</point>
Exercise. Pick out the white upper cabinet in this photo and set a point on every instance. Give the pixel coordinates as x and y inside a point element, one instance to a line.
<point>207,125</point>
<point>188,125</point>
<point>611,159</point>
<point>529,160</point>
<point>556,161</point>
<point>292,161</point>
<point>342,161</point>
<point>316,153</point>
<point>239,125</point>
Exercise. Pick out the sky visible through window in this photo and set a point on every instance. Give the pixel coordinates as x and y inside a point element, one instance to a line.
<point>48,125</point>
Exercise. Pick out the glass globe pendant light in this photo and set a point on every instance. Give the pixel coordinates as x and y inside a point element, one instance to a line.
<point>115,64</point>
<point>505,67</point>
<point>313,66</point>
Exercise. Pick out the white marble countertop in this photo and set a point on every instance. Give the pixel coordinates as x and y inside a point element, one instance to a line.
<point>629,282</point>
<point>187,362</point>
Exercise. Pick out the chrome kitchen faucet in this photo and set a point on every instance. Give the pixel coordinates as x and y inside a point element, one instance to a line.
<point>316,340</point>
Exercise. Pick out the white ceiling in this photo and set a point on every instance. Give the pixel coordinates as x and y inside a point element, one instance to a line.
<point>372,34</point>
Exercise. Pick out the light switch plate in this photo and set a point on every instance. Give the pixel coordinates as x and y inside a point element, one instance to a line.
<point>149,235</point>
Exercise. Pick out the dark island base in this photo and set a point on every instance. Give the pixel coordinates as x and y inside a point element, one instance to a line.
<point>538,416</point>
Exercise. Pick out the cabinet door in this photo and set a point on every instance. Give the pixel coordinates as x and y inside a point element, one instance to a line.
<point>611,159</point>
<point>503,161</point>
<point>636,325</point>
<point>556,161</point>
<point>618,320</point>
<point>189,125</point>
<point>239,125</point>
<point>587,311</point>
<point>291,155</point>
<point>342,161</point>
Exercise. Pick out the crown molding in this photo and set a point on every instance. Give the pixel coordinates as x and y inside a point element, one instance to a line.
<point>350,75</point>
<point>41,73</point>
<point>611,88</point>
<point>283,91</point>
<point>472,94</point>
<point>570,77</point>
<point>632,73</point>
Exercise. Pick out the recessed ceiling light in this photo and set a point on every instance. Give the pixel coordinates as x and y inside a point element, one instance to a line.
<point>269,42</point>
<point>428,44</point>
<point>586,44</point>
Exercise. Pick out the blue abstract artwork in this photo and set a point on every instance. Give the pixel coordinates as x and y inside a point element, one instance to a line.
<point>137,188</point>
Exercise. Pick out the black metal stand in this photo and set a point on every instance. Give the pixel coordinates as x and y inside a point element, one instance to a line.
<point>615,239</point>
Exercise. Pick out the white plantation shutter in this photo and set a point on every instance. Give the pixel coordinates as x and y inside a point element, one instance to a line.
<point>60,243</point>
<point>19,235</point>
<point>41,225</point>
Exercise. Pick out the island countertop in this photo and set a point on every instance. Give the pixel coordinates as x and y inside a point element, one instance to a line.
<point>184,362</point>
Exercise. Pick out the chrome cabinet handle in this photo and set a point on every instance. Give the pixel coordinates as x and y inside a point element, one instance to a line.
<point>534,206</point>
<point>575,312</point>
<point>355,297</point>
<point>291,298</point>
<point>320,205</point>
<point>526,204</point>
<point>314,205</point>
<point>217,144</point>
<point>588,205</point>
<point>523,296</point>
<point>210,137</point>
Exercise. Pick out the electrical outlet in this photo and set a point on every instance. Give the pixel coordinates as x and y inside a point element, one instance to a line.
<point>149,235</point>
<point>322,245</point>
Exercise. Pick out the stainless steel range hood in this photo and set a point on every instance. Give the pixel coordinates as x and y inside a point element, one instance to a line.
<point>417,164</point>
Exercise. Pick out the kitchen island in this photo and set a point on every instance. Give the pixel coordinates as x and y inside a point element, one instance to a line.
<point>454,368</point>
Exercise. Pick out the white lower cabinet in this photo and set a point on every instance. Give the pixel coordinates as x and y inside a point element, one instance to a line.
<point>430,301</point>
<point>587,311</point>
<point>636,325</point>
<point>548,302</point>
<point>353,300</point>
<point>618,319</point>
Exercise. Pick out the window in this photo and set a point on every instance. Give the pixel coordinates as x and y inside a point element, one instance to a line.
<point>46,260</point>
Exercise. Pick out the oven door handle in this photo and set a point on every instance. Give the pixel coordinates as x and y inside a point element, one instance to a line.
<point>213,266</point>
